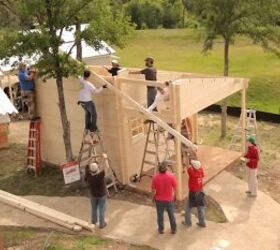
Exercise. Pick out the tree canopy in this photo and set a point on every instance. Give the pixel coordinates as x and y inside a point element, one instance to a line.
<point>41,24</point>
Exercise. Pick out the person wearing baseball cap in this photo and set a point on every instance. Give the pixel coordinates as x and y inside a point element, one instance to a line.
<point>115,68</point>
<point>196,196</point>
<point>97,184</point>
<point>252,159</point>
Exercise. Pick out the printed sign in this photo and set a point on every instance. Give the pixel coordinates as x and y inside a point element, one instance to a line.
<point>71,172</point>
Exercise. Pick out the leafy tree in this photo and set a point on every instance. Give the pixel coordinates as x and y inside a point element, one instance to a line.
<point>145,13</point>
<point>172,10</point>
<point>228,19</point>
<point>52,17</point>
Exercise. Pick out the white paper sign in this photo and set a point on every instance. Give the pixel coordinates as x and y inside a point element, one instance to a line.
<point>71,172</point>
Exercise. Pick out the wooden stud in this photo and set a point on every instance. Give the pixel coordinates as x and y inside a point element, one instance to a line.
<point>243,119</point>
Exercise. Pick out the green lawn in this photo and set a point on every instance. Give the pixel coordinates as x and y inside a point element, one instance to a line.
<point>180,50</point>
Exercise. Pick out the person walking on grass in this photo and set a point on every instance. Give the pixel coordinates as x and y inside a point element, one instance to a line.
<point>163,191</point>
<point>196,196</point>
<point>85,99</point>
<point>97,184</point>
<point>252,159</point>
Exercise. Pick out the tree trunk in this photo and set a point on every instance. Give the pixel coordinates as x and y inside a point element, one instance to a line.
<point>64,119</point>
<point>183,15</point>
<point>224,102</point>
<point>79,55</point>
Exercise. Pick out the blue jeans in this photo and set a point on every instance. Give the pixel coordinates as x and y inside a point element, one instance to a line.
<point>200,212</point>
<point>90,115</point>
<point>98,207</point>
<point>169,206</point>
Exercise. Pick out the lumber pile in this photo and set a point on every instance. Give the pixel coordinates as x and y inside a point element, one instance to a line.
<point>44,212</point>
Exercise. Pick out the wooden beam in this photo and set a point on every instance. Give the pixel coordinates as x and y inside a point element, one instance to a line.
<point>126,80</point>
<point>41,211</point>
<point>148,115</point>
<point>178,145</point>
<point>243,118</point>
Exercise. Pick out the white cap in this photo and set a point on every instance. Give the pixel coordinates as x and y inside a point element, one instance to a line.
<point>196,164</point>
<point>115,61</point>
<point>93,167</point>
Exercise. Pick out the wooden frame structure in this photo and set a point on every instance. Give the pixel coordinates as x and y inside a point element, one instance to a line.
<point>120,107</point>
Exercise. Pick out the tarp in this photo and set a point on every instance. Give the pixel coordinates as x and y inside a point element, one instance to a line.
<point>6,106</point>
<point>68,37</point>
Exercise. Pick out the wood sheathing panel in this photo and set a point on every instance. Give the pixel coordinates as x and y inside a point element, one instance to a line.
<point>52,134</point>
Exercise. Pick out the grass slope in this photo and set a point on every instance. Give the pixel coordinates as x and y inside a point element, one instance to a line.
<point>180,50</point>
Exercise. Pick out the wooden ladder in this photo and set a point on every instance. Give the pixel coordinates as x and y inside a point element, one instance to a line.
<point>156,138</point>
<point>92,150</point>
<point>34,148</point>
<point>251,129</point>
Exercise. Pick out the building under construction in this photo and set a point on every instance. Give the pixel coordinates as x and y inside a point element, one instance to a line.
<point>121,113</point>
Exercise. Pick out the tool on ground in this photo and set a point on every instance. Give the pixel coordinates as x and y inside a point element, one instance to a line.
<point>34,148</point>
<point>92,150</point>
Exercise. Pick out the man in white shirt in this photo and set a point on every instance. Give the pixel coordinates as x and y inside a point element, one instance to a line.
<point>85,99</point>
<point>161,96</point>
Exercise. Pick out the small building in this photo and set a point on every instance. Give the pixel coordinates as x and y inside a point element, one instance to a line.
<point>121,124</point>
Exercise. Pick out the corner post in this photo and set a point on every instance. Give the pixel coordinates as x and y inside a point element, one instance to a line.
<point>243,116</point>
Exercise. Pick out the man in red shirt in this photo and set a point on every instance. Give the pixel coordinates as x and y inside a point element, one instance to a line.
<point>163,189</point>
<point>196,196</point>
<point>252,159</point>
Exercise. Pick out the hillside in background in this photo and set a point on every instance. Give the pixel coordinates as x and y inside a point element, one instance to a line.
<point>180,50</point>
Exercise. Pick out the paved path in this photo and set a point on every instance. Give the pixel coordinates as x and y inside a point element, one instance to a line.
<point>254,223</point>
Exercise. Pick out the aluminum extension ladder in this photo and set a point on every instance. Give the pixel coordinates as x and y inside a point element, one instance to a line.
<point>251,129</point>
<point>92,150</point>
<point>156,138</point>
<point>34,148</point>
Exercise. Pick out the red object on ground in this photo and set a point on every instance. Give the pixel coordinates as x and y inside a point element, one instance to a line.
<point>34,147</point>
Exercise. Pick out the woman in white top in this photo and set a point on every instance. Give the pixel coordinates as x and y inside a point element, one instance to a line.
<point>85,99</point>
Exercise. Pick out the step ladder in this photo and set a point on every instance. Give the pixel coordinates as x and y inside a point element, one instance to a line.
<point>92,150</point>
<point>34,148</point>
<point>157,149</point>
<point>251,129</point>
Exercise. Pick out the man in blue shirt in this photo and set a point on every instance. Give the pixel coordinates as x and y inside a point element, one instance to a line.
<point>26,81</point>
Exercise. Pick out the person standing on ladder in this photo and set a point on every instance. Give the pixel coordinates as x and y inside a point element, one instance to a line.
<point>115,68</point>
<point>26,81</point>
<point>85,99</point>
<point>252,158</point>
<point>150,73</point>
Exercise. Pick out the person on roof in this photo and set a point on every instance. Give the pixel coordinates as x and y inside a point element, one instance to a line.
<point>150,74</point>
<point>115,68</point>
<point>161,96</point>
<point>85,99</point>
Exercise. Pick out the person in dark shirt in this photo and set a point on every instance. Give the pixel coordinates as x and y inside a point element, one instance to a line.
<point>115,68</point>
<point>150,73</point>
<point>97,184</point>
